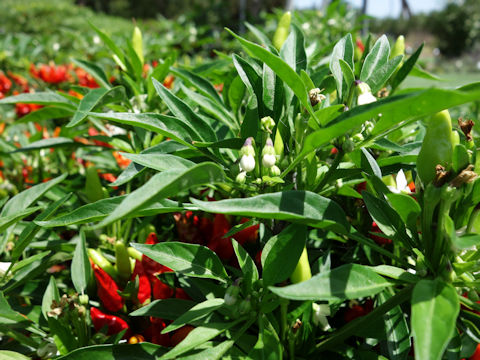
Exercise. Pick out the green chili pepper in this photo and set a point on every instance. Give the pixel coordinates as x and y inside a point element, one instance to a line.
<point>436,148</point>
<point>123,260</point>
<point>137,43</point>
<point>302,272</point>
<point>398,47</point>
<point>281,33</point>
<point>102,262</point>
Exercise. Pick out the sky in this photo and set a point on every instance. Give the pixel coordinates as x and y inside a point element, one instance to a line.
<point>382,8</point>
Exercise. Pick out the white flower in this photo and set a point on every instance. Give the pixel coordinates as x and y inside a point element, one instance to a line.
<point>320,313</point>
<point>241,177</point>
<point>247,163</point>
<point>56,46</point>
<point>366,98</point>
<point>96,39</point>
<point>4,266</point>
<point>401,184</point>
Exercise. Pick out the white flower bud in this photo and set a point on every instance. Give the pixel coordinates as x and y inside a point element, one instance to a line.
<point>275,171</point>
<point>241,177</point>
<point>247,163</point>
<point>268,160</point>
<point>364,92</point>
<point>320,313</point>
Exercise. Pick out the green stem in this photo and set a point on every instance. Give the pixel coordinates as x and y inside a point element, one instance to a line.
<point>283,316</point>
<point>331,170</point>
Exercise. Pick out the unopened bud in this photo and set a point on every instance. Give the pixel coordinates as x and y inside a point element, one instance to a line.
<point>268,154</point>
<point>231,295</point>
<point>348,145</point>
<point>241,177</point>
<point>275,171</point>
<point>83,299</point>
<point>245,306</point>
<point>247,163</point>
<point>267,124</point>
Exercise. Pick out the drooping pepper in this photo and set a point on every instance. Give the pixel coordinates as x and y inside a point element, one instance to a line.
<point>123,260</point>
<point>436,148</point>
<point>114,323</point>
<point>150,266</point>
<point>107,290</point>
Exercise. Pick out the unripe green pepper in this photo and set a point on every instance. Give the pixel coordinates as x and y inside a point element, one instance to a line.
<point>93,186</point>
<point>123,260</point>
<point>302,271</point>
<point>137,43</point>
<point>102,262</point>
<point>281,33</point>
<point>398,47</point>
<point>134,253</point>
<point>436,148</point>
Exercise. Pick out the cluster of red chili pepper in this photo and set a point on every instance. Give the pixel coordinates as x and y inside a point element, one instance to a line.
<point>191,228</point>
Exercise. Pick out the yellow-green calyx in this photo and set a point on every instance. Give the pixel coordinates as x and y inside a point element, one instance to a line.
<point>267,124</point>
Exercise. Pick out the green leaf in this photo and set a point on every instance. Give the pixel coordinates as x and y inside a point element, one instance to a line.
<point>375,59</point>
<point>281,253</point>
<point>369,165</point>
<point>406,207</point>
<point>259,34</point>
<point>406,68</point>
<point>94,99</point>
<point>94,70</point>
<point>54,142</point>
<point>45,113</point>
<point>160,162</point>
<point>347,74</point>
<point>386,218</point>
<point>196,337</point>
<point>29,232</point>
<point>467,241</point>
<point>343,50</point>
<point>268,345</point>
<point>169,309</point>
<point>163,124</point>
<point>197,312</point>
<point>118,54</point>
<point>213,353</point>
<point>80,269</point>
<point>41,98</point>
<point>293,50</point>
<point>183,112</point>
<point>8,316</point>
<point>188,259</point>
<point>435,307</point>
<point>142,351</point>
<point>281,68</point>
<point>326,115</point>
<point>349,281</point>
<point>163,185</point>
<point>51,293</point>
<point>217,110</point>
<point>417,71</point>
<point>9,220</point>
<point>12,355</point>
<point>396,328</point>
<point>200,83</point>
<point>382,74</point>
<point>246,263</point>
<point>101,209</point>
<point>395,110</point>
<point>302,207</point>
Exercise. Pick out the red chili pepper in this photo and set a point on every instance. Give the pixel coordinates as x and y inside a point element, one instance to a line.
<point>181,334</point>
<point>107,290</point>
<point>222,246</point>
<point>161,290</point>
<point>144,288</point>
<point>181,294</point>
<point>247,235</point>
<point>150,266</point>
<point>115,324</point>
<point>155,329</point>
<point>378,239</point>
<point>358,310</point>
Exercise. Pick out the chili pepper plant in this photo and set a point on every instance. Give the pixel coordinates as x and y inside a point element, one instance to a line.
<point>275,203</point>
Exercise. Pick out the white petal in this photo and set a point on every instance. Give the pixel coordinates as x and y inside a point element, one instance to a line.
<point>247,163</point>
<point>401,180</point>
<point>366,98</point>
